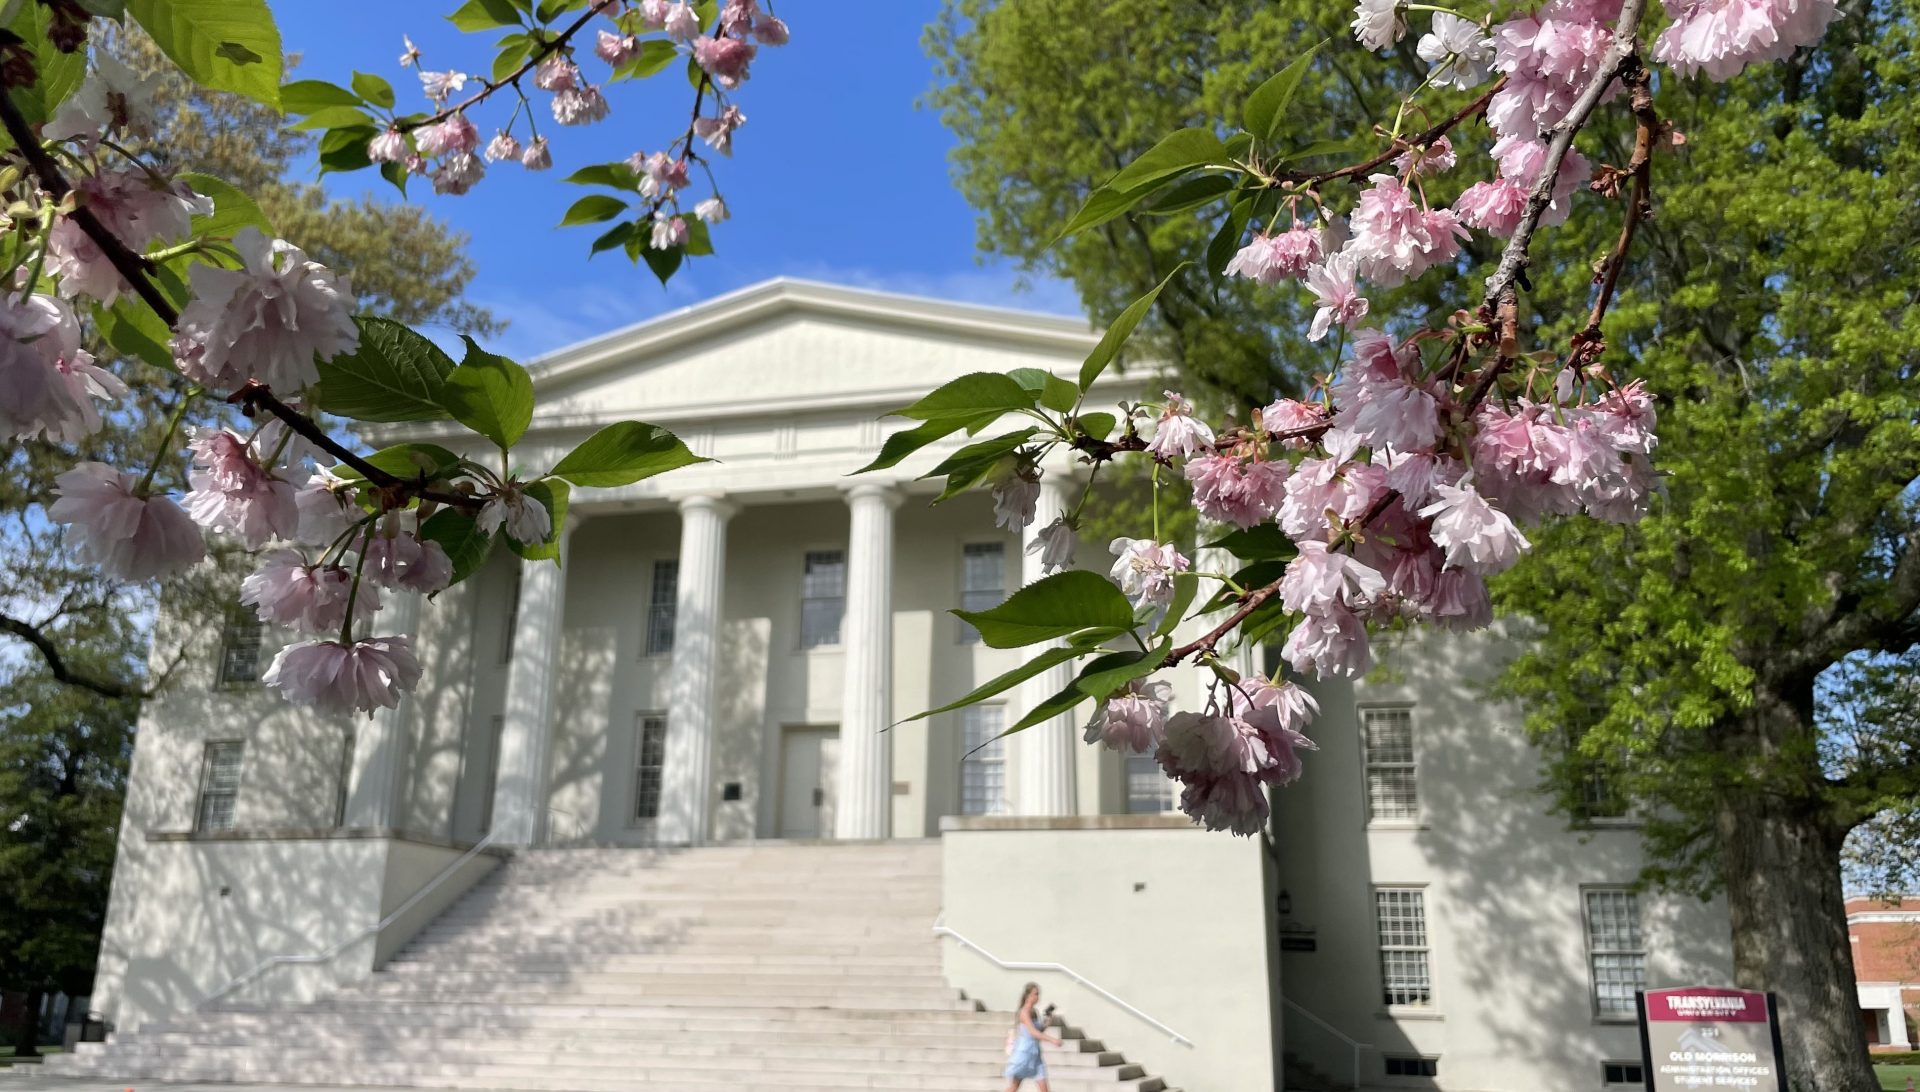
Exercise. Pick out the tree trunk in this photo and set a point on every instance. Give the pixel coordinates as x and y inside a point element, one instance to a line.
<point>1782,861</point>
<point>27,1043</point>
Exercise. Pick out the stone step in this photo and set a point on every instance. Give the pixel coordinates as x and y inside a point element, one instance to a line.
<point>846,1043</point>
<point>730,1082</point>
<point>724,979</point>
<point>779,962</point>
<point>627,1020</point>
<point>824,1053</point>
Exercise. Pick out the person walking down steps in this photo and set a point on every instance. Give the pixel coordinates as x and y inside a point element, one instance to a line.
<point>1023,1051</point>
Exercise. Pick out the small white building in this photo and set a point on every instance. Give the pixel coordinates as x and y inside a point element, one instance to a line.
<point>718,660</point>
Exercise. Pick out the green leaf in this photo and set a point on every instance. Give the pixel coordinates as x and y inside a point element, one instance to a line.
<point>1185,586</point>
<point>1097,425</point>
<point>592,209</point>
<point>965,468</point>
<point>1106,674</point>
<point>618,175</point>
<point>346,149</point>
<point>57,75</point>
<point>699,240</point>
<point>1191,194</point>
<point>664,263</point>
<point>1266,618</point>
<point>333,117</point>
<point>375,89</point>
<point>617,236</point>
<point>225,45</point>
<point>654,56</point>
<point>466,545</point>
<point>131,327</point>
<point>1062,604</point>
<point>491,395</point>
<point>1342,147</point>
<point>1267,107</point>
<point>622,454</point>
<point>1052,707</point>
<point>408,461</point>
<point>484,15</point>
<point>1226,242</point>
<point>1178,152</point>
<point>552,493</point>
<point>395,375</point>
<point>1006,681</point>
<point>1101,205</point>
<point>1263,542</point>
<point>1122,329</point>
<point>395,173</point>
<point>1055,393</point>
<point>307,96</point>
<point>972,397</point>
<point>232,208</point>
<point>899,445</point>
<point>514,51</point>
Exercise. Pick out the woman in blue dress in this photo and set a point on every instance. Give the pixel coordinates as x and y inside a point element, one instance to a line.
<point>1023,1060</point>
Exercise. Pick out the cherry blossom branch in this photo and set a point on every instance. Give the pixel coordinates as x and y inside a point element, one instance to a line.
<point>137,271</point>
<point>1249,603</point>
<point>1396,145</point>
<point>1621,54</point>
<point>1589,341</point>
<point>489,87</point>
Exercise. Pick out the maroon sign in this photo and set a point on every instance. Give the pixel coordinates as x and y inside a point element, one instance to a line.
<point>1706,1037</point>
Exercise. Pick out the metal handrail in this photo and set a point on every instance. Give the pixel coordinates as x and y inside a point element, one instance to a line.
<point>323,957</point>
<point>1356,1044</point>
<point>1009,965</point>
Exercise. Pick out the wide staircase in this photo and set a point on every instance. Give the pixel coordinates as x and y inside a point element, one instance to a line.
<point>762,967</point>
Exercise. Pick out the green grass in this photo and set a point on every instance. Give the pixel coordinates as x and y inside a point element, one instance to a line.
<point>6,1056</point>
<point>1893,1078</point>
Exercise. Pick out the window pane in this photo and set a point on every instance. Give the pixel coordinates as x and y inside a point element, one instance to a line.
<point>823,598</point>
<point>662,603</point>
<point>1392,789</point>
<point>240,647</point>
<point>1615,950</point>
<point>650,754</point>
<point>1402,920</point>
<point>983,770</point>
<point>983,581</point>
<point>1149,789</point>
<point>219,785</point>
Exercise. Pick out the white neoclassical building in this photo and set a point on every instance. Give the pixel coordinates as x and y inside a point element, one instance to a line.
<point>718,661</point>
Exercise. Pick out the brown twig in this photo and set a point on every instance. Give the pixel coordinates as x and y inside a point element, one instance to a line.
<point>489,87</point>
<point>57,665</point>
<point>137,271</point>
<point>1589,342</point>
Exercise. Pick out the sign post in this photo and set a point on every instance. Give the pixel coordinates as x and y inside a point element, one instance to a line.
<point>1695,1038</point>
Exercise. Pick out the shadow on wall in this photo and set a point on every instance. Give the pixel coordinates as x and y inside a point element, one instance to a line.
<point>740,727</point>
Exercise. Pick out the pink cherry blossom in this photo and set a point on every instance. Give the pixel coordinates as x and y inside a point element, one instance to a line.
<point>660,175</point>
<point>717,131</point>
<point>326,509</point>
<point>371,673</point>
<point>1270,259</point>
<point>1721,37</point>
<point>616,49</point>
<point>1549,58</point>
<point>389,147</point>
<point>233,493</point>
<point>286,590</point>
<point>1016,494</point>
<point>724,59</point>
<point>1053,545</point>
<point>1377,23</point>
<point>526,519</point>
<point>1321,581</point>
<point>1413,474</point>
<point>681,24</point>
<point>1459,51</point>
<point>114,524</point>
<point>1334,643</point>
<point>668,231</point>
<point>1235,802</point>
<point>1178,433</point>
<point>438,85</point>
<point>537,157</point>
<point>771,30</point>
<point>267,320</point>
<point>112,98</point>
<point>1134,719</point>
<point>1334,283</point>
<point>399,559</point>
<point>654,13</point>
<point>455,134</point>
<point>1145,570</point>
<point>1624,495</point>
<point>713,210</point>
<point>1476,535</point>
<point>1494,207</point>
<point>48,383</point>
<point>1231,489</point>
<point>1322,486</point>
<point>738,15</point>
<point>1628,417</point>
<point>457,173</point>
<point>1285,704</point>
<point>579,106</point>
<point>138,208</point>
<point>502,146</point>
<point>1288,415</point>
<point>1430,160</point>
<point>557,73</point>
<point>1459,601</point>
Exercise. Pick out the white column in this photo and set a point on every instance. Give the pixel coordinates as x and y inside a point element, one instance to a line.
<point>1042,756</point>
<point>864,808</point>
<point>526,730</point>
<point>379,745</point>
<point>687,777</point>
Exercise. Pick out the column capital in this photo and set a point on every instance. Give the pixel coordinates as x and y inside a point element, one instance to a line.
<point>888,492</point>
<point>709,502</point>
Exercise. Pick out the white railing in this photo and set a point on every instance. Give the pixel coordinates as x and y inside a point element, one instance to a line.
<point>328,955</point>
<point>940,929</point>
<point>1356,1044</point>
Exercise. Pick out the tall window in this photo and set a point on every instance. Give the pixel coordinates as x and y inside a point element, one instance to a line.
<point>1596,794</point>
<point>662,602</point>
<point>1149,789</point>
<point>983,581</point>
<point>219,785</point>
<point>1401,913</point>
<point>983,769</point>
<point>823,598</point>
<point>240,648</point>
<point>1615,951</point>
<point>1391,791</point>
<point>649,758</point>
<point>513,617</point>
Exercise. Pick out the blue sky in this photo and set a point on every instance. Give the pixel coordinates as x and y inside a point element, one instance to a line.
<point>837,175</point>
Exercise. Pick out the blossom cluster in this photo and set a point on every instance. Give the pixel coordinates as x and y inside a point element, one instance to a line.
<point>448,149</point>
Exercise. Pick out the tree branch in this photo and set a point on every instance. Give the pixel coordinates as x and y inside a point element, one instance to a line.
<point>489,87</point>
<point>1590,342</point>
<point>57,664</point>
<point>1395,147</point>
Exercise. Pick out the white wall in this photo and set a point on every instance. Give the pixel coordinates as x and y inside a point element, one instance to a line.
<point>1502,880</point>
<point>1170,919</point>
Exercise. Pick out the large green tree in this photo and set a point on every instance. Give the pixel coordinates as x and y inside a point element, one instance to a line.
<point>73,656</point>
<point>1705,658</point>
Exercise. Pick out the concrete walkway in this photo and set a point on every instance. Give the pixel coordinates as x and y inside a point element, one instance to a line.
<point>22,1078</point>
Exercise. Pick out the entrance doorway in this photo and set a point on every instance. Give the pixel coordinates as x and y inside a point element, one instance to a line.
<point>809,765</point>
